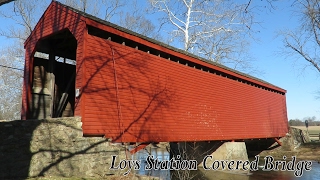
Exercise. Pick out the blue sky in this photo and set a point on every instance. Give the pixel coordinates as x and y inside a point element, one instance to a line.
<point>287,73</point>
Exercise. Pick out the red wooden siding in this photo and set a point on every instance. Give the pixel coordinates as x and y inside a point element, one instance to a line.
<point>148,98</point>
<point>55,19</point>
<point>129,95</point>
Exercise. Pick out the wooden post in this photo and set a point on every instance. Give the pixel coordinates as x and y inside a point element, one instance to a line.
<point>52,80</point>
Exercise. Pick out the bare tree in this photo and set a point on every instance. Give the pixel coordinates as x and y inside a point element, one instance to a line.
<point>112,8</point>
<point>136,21</point>
<point>25,14</point>
<point>12,59</point>
<point>211,29</point>
<point>10,83</point>
<point>105,9</point>
<point>304,42</point>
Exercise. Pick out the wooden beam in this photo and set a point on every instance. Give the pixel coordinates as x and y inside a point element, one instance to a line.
<point>138,148</point>
<point>52,80</point>
<point>64,97</point>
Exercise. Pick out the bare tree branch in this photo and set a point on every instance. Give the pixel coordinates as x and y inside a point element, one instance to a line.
<point>24,15</point>
<point>306,37</point>
<point>211,29</point>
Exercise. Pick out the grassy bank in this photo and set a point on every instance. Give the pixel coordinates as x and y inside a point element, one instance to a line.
<point>303,151</point>
<point>313,131</point>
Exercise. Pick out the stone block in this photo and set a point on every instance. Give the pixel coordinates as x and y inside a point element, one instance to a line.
<point>52,147</point>
<point>228,151</point>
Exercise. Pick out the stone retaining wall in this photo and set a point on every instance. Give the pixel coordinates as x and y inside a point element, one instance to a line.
<point>295,138</point>
<point>291,142</point>
<point>53,147</point>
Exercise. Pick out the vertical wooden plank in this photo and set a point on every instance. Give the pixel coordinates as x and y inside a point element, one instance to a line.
<point>29,76</point>
<point>27,83</point>
<point>51,81</point>
<point>83,71</point>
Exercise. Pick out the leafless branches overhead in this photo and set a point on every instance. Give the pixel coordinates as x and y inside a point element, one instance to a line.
<point>215,29</point>
<point>304,42</point>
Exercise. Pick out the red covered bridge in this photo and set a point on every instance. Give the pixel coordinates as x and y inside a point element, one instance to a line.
<point>131,88</point>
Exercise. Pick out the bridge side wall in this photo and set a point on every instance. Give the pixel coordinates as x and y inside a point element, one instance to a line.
<point>137,96</point>
<point>131,94</point>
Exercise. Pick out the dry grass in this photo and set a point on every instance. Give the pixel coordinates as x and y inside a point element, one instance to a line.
<point>306,151</point>
<point>310,128</point>
<point>313,131</point>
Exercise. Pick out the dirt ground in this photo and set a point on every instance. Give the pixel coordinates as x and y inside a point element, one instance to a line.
<point>302,142</point>
<point>306,151</point>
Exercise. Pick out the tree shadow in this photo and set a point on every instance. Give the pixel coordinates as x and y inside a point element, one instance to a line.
<point>123,104</point>
<point>122,89</point>
<point>53,147</point>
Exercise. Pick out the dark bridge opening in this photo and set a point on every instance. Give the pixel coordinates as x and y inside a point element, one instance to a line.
<point>53,80</point>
